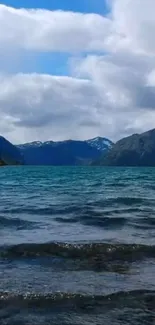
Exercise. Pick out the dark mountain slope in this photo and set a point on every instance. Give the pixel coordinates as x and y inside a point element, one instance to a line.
<point>61,153</point>
<point>135,150</point>
<point>9,154</point>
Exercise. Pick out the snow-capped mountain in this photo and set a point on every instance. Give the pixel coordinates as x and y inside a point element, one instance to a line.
<point>67,152</point>
<point>100,143</point>
<point>30,144</point>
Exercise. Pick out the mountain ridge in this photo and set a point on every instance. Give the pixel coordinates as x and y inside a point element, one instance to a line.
<point>97,139</point>
<point>135,150</point>
<point>67,152</point>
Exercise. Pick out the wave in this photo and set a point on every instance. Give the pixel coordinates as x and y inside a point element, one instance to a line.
<point>131,299</point>
<point>16,223</point>
<point>69,207</point>
<point>106,222</point>
<point>118,184</point>
<point>102,251</point>
<point>143,222</point>
<point>107,219</point>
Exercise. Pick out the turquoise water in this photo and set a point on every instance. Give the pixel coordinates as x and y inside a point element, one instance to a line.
<point>77,245</point>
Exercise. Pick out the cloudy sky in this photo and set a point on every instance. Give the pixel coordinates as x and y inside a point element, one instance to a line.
<point>76,69</point>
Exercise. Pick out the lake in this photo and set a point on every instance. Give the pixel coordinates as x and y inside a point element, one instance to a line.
<point>77,245</point>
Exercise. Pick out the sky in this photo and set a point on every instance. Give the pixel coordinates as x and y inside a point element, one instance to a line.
<point>76,69</point>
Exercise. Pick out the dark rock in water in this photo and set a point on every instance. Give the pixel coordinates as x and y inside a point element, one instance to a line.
<point>9,154</point>
<point>135,150</point>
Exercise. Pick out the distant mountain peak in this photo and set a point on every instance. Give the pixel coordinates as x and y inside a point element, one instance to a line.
<point>100,143</point>
<point>67,152</point>
<point>134,150</point>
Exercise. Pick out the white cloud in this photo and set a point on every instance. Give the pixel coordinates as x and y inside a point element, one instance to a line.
<point>44,30</point>
<point>111,95</point>
<point>133,22</point>
<point>47,107</point>
<point>122,78</point>
<point>130,25</point>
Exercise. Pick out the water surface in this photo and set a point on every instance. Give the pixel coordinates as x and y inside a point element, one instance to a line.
<point>77,245</point>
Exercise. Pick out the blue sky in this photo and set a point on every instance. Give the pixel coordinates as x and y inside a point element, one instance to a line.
<point>86,6</point>
<point>55,63</point>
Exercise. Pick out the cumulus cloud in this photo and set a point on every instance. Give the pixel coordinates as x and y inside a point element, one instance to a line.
<point>110,94</point>
<point>123,78</point>
<point>60,106</point>
<point>47,107</point>
<point>130,25</point>
<point>134,24</point>
<point>45,30</point>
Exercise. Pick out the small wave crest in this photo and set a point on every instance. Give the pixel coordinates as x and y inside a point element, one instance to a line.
<point>97,221</point>
<point>67,207</point>
<point>131,299</point>
<point>17,223</point>
<point>103,251</point>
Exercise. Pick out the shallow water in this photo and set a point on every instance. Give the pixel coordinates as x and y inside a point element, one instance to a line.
<point>77,245</point>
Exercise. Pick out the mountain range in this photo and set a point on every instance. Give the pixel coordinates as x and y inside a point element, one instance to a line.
<point>134,150</point>
<point>68,152</point>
